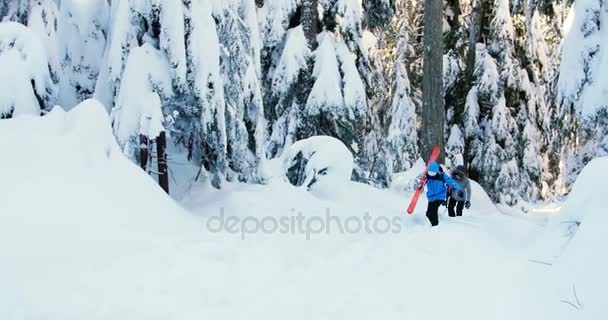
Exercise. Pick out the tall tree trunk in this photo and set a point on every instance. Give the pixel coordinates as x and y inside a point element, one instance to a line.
<point>432,113</point>
<point>163,174</point>
<point>143,152</point>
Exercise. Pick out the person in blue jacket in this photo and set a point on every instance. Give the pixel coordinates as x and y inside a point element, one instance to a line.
<point>437,191</point>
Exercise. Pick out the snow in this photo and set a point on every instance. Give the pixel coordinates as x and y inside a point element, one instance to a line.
<point>75,218</point>
<point>573,244</point>
<point>486,65</point>
<point>81,37</point>
<point>455,146</point>
<point>15,36</point>
<point>43,20</point>
<point>595,96</point>
<point>329,163</point>
<point>502,22</point>
<point>583,56</point>
<point>293,60</point>
<point>23,59</point>
<point>146,79</point>
<point>204,48</point>
<point>354,90</point>
<point>350,12</point>
<point>401,139</point>
<point>84,233</point>
<point>451,70</point>
<point>172,37</point>
<point>584,263</point>
<point>369,41</point>
<point>326,93</point>
<point>119,41</point>
<point>273,19</point>
<point>16,97</point>
<point>472,113</point>
<point>251,20</point>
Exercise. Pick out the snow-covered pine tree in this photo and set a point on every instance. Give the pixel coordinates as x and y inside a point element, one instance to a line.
<point>125,33</point>
<point>581,88</point>
<point>240,68</point>
<point>73,34</point>
<point>506,115</point>
<point>15,10</point>
<point>285,66</point>
<point>312,56</point>
<point>216,111</point>
<point>200,125</point>
<point>337,103</point>
<point>378,13</point>
<point>540,58</point>
<point>282,107</point>
<point>80,42</point>
<point>27,87</point>
<point>373,156</point>
<point>492,139</point>
<point>43,18</point>
<point>402,137</point>
<point>138,117</point>
<point>393,87</point>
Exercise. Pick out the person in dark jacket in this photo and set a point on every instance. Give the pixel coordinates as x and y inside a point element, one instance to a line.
<point>458,199</point>
<point>437,190</point>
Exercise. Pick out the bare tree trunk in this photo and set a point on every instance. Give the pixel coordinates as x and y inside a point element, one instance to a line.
<point>143,152</point>
<point>432,113</point>
<point>163,174</point>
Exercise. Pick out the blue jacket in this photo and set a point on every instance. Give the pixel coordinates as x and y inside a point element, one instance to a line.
<point>436,188</point>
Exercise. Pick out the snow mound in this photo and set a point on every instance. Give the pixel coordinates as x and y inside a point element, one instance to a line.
<point>584,199</point>
<point>319,163</point>
<point>582,268</point>
<point>73,206</point>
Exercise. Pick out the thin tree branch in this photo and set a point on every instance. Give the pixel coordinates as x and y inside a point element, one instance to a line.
<point>570,303</point>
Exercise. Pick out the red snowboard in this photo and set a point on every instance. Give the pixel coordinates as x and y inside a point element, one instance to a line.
<point>433,158</point>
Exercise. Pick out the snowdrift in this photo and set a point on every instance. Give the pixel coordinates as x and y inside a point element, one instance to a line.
<point>583,266</point>
<point>85,234</point>
<point>72,206</point>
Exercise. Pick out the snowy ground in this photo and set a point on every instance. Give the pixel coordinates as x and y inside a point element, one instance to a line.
<point>84,234</point>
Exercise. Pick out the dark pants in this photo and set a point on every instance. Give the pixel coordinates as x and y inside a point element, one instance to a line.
<point>458,204</point>
<point>431,212</point>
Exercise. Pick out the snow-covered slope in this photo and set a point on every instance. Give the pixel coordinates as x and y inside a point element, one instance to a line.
<point>73,212</point>
<point>582,268</point>
<point>84,234</point>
